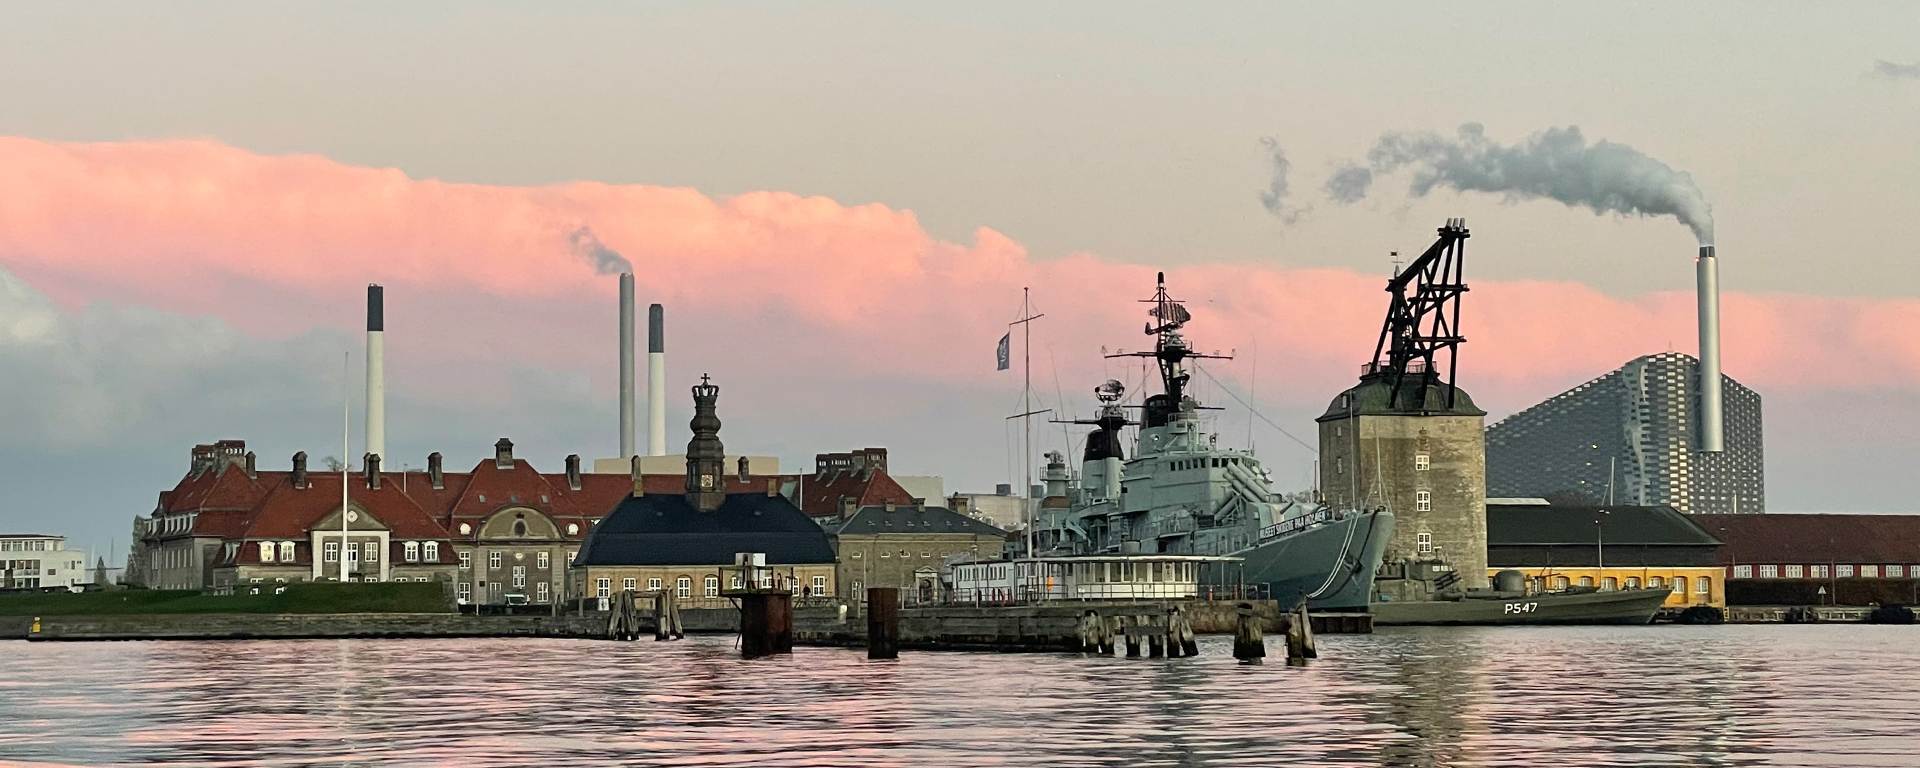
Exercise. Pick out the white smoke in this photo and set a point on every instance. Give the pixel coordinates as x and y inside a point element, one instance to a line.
<point>1554,164</point>
<point>587,245</point>
<point>1274,197</point>
<point>1894,71</point>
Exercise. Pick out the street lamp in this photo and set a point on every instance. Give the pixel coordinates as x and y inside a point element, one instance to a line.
<point>1600,542</point>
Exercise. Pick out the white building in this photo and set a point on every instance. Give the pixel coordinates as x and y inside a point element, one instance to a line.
<point>35,561</point>
<point>1080,577</point>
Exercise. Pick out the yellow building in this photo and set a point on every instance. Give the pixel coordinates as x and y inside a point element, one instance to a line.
<point>1695,585</point>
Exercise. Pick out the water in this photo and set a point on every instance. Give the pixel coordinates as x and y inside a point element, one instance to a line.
<point>1684,696</point>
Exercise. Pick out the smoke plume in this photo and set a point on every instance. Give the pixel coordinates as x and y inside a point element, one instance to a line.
<point>587,245</point>
<point>1554,164</point>
<point>1892,71</point>
<point>1274,197</point>
<point>1349,183</point>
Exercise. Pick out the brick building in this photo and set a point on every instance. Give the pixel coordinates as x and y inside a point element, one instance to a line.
<point>905,546</point>
<point>1799,559</point>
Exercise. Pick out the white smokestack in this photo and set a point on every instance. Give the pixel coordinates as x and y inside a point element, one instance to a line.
<point>626,365</point>
<point>1712,432</point>
<point>656,381</point>
<point>376,371</point>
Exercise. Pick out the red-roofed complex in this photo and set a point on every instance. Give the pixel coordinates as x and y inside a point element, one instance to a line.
<point>844,482</point>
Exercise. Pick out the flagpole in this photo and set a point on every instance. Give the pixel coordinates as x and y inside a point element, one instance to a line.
<point>346,462</point>
<point>1026,420</point>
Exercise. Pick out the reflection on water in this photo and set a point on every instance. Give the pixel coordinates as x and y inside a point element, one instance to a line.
<point>1717,696</point>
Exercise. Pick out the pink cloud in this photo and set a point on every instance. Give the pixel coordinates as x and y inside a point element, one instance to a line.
<point>277,243</point>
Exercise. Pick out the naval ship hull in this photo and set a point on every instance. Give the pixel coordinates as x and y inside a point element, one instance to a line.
<point>1626,606</point>
<point>1331,565</point>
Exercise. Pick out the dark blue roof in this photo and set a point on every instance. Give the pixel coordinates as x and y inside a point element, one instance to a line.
<point>666,529</point>
<point>914,519</point>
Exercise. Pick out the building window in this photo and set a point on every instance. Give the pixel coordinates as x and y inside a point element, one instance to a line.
<point>1703,586</point>
<point>464,591</point>
<point>1586,581</point>
<point>330,552</point>
<point>602,587</point>
<point>519,577</point>
<point>372,550</point>
<point>653,585</point>
<point>1896,571</point>
<point>1424,542</point>
<point>1820,572</point>
<point>266,551</point>
<point>734,583</point>
<point>628,584</point>
<point>713,586</point>
<point>1843,571</point>
<point>886,553</point>
<point>683,587</point>
<point>466,560</point>
<point>493,560</point>
<point>1609,584</point>
<point>1794,572</point>
<point>1339,465</point>
<point>1680,585</point>
<point>1769,571</point>
<point>819,585</point>
<point>1870,571</point>
<point>1743,571</point>
<point>543,561</point>
<point>926,553</point>
<point>430,551</point>
<point>286,551</point>
<point>1420,462</point>
<point>540,592</point>
<point>1423,501</point>
<point>1655,582</point>
<point>856,587</point>
<point>412,551</point>
<point>856,554</point>
<point>1633,582</point>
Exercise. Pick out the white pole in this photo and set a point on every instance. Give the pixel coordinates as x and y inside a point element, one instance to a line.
<point>346,464</point>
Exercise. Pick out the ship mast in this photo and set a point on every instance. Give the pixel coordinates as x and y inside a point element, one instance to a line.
<point>1026,417</point>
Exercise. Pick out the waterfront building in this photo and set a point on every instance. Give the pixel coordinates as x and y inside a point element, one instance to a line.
<point>1417,448</point>
<point>680,541</point>
<point>1606,547</point>
<point>1157,576</point>
<point>40,561</point>
<point>295,533</point>
<point>844,482</point>
<point>1001,509</point>
<point>906,545</point>
<point>1812,559</point>
<point>1633,430</point>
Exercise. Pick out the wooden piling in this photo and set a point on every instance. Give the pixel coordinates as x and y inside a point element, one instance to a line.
<point>660,620</point>
<point>1156,639</point>
<point>1249,645</point>
<point>883,623</point>
<point>1130,625</point>
<point>1306,634</point>
<point>1108,627</point>
<point>1180,635</point>
<point>1297,632</point>
<point>766,624</point>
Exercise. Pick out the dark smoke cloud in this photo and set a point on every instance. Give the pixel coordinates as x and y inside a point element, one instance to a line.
<point>1554,164</point>
<point>1274,197</point>
<point>587,245</point>
<point>1892,71</point>
<point>1349,183</point>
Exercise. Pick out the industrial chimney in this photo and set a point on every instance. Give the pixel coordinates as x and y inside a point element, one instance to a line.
<point>656,381</point>
<point>376,371</point>
<point>1711,425</point>
<point>626,365</point>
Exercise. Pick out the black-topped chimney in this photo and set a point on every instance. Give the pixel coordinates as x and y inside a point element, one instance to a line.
<point>435,476</point>
<point>371,462</point>
<point>503,454</point>
<point>300,469</point>
<point>573,471</point>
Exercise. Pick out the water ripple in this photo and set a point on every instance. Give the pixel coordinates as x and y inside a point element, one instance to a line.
<point>1659,696</point>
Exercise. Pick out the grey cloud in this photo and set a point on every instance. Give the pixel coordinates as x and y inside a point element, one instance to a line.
<point>587,245</point>
<point>1349,183</point>
<point>1554,164</point>
<point>1893,71</point>
<point>1274,197</point>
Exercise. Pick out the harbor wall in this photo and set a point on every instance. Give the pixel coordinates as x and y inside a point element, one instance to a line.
<point>294,626</point>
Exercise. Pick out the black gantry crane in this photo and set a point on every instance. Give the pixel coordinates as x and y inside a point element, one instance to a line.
<point>1420,328</point>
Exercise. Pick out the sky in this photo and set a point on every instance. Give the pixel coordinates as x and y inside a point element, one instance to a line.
<point>839,204</point>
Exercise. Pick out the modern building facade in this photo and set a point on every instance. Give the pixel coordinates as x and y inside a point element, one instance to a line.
<point>1633,428</point>
<point>39,561</point>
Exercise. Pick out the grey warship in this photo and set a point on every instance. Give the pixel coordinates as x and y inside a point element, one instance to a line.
<point>1182,493</point>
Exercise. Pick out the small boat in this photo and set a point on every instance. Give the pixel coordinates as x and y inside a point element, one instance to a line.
<point>1510,603</point>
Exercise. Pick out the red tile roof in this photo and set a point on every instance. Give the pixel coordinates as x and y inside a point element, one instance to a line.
<point>1815,539</point>
<point>820,493</point>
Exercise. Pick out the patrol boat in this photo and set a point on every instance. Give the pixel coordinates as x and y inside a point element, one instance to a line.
<point>1182,493</point>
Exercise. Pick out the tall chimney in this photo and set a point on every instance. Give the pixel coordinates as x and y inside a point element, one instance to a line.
<point>626,364</point>
<point>656,381</point>
<point>1711,423</point>
<point>376,372</point>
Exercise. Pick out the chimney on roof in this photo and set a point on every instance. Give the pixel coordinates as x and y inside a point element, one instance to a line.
<point>300,469</point>
<point>656,380</point>
<point>371,462</point>
<point>773,486</point>
<point>252,473</point>
<point>877,459</point>
<point>743,469</point>
<point>435,476</point>
<point>846,507</point>
<point>957,503</point>
<point>919,503</point>
<point>889,506</point>
<point>376,370</point>
<point>573,471</point>
<point>202,458</point>
<point>503,453</point>
<point>639,480</point>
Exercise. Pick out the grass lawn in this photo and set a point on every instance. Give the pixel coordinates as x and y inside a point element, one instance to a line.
<point>387,597</point>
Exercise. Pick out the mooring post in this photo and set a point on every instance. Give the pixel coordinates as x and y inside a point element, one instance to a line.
<point>1156,637</point>
<point>883,623</point>
<point>1130,626</point>
<point>1248,644</point>
<point>1306,634</point>
<point>766,624</point>
<point>660,618</point>
<point>1296,639</point>
<point>1107,625</point>
<point>1181,634</point>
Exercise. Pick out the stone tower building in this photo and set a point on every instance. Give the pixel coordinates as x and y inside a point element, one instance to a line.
<point>1423,460</point>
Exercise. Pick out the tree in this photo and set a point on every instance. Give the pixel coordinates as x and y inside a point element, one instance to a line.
<point>333,464</point>
<point>100,572</point>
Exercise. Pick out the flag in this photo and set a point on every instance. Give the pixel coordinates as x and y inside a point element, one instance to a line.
<point>1005,353</point>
